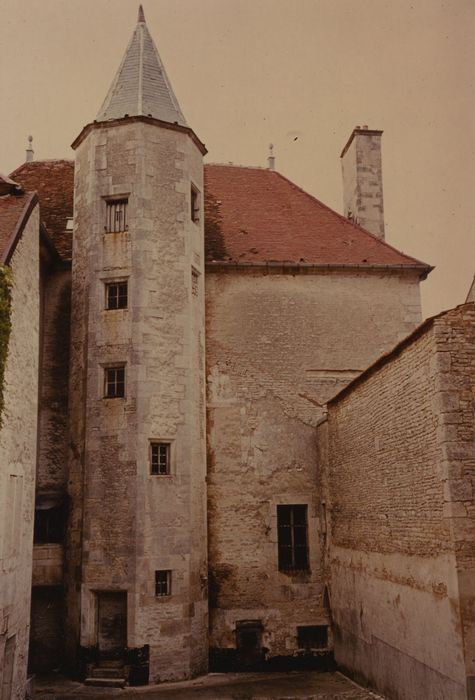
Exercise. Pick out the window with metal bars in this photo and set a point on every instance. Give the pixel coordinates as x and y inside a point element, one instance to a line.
<point>312,637</point>
<point>159,458</point>
<point>116,215</point>
<point>163,582</point>
<point>116,295</point>
<point>292,537</point>
<point>114,382</point>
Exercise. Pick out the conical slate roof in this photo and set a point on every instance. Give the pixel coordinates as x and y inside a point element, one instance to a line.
<point>141,85</point>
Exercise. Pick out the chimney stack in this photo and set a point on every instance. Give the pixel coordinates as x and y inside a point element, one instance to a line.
<point>363,180</point>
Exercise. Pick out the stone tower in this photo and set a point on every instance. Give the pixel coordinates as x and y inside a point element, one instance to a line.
<point>137,563</point>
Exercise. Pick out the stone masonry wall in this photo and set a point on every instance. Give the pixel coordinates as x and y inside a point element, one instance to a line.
<point>393,582</point>
<point>278,346</point>
<point>454,336</point>
<point>18,443</point>
<point>136,523</point>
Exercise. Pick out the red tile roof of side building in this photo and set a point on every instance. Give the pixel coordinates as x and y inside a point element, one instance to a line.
<point>258,215</point>
<point>53,181</point>
<point>252,215</point>
<point>15,209</point>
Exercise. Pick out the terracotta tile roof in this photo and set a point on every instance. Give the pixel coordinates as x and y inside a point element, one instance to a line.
<point>13,209</point>
<point>53,180</point>
<point>257,215</point>
<point>251,215</point>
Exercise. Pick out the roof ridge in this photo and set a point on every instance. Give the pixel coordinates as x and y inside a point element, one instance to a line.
<point>238,165</point>
<point>41,161</point>
<point>350,223</point>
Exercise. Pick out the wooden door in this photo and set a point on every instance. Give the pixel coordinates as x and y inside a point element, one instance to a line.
<point>112,624</point>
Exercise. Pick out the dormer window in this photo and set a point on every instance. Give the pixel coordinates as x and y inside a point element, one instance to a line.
<point>116,215</point>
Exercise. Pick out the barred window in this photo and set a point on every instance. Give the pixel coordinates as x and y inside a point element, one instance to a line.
<point>114,382</point>
<point>159,458</point>
<point>163,582</point>
<point>292,537</point>
<point>116,215</point>
<point>116,295</point>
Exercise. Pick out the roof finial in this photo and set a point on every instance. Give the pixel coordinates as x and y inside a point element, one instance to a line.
<point>29,151</point>
<point>271,157</point>
<point>141,17</point>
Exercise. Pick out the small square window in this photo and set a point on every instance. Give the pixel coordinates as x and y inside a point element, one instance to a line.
<point>159,458</point>
<point>312,637</point>
<point>163,582</point>
<point>116,295</point>
<point>114,382</point>
<point>116,215</point>
<point>195,204</point>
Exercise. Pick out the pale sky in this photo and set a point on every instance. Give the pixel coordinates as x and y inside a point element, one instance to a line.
<point>251,72</point>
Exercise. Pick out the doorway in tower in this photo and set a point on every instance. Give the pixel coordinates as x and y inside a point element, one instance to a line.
<point>111,625</point>
<point>250,654</point>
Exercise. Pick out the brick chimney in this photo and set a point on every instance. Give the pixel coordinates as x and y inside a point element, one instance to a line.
<point>363,180</point>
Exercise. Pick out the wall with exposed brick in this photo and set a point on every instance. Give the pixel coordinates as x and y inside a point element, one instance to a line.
<point>398,438</point>
<point>126,523</point>
<point>18,443</point>
<point>278,346</point>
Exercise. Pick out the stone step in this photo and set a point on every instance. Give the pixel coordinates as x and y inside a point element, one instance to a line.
<point>103,672</point>
<point>110,663</point>
<point>106,682</point>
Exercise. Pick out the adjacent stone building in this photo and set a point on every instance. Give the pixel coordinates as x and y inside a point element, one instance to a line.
<point>20,306</point>
<point>192,322</point>
<point>398,452</point>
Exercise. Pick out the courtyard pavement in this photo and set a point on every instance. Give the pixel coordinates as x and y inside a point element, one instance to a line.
<point>219,686</point>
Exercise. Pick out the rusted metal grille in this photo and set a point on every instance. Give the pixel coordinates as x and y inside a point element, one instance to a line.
<point>159,458</point>
<point>116,215</point>
<point>292,537</point>
<point>116,295</point>
<point>163,582</point>
<point>114,382</point>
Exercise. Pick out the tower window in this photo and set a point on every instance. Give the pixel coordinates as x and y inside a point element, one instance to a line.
<point>194,282</point>
<point>159,458</point>
<point>114,382</point>
<point>116,215</point>
<point>116,295</point>
<point>292,538</point>
<point>163,582</point>
<point>195,204</point>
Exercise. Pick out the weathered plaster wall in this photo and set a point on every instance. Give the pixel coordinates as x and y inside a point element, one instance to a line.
<point>394,585</point>
<point>126,524</point>
<point>18,443</point>
<point>278,346</point>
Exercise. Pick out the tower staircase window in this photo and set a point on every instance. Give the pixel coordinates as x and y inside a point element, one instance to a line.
<point>114,382</point>
<point>116,295</point>
<point>159,458</point>
<point>163,582</point>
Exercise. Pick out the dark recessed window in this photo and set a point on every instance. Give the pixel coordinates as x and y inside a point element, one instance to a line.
<point>195,204</point>
<point>116,215</point>
<point>292,538</point>
<point>163,583</point>
<point>116,295</point>
<point>160,458</point>
<point>49,525</point>
<point>312,637</point>
<point>114,382</point>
